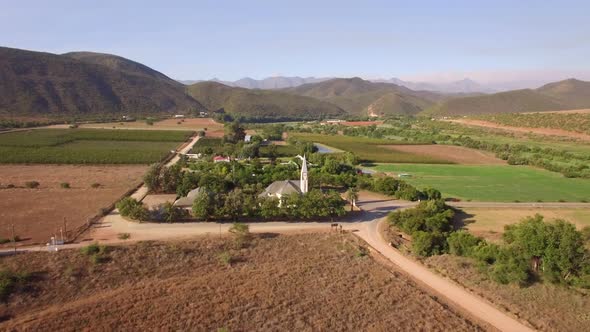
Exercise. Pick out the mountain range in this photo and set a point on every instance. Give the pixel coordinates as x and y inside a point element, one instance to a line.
<point>86,84</point>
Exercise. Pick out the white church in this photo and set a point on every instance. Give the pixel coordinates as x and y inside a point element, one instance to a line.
<point>279,189</point>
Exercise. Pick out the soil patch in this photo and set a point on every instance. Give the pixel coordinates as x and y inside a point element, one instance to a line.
<point>298,282</point>
<point>38,214</point>
<point>454,154</point>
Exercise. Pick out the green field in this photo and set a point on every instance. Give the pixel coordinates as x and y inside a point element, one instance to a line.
<point>88,146</point>
<point>493,183</point>
<point>368,149</point>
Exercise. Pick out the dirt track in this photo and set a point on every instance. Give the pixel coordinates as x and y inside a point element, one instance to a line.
<point>526,130</point>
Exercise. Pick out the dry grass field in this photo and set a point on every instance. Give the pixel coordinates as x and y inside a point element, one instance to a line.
<point>38,213</point>
<point>214,129</point>
<point>546,306</point>
<point>304,282</point>
<point>454,154</point>
<point>489,222</point>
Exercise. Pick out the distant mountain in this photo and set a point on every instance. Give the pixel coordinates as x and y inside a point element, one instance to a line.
<point>261,104</point>
<point>83,83</point>
<point>361,97</point>
<point>567,94</point>
<point>269,83</point>
<point>466,85</point>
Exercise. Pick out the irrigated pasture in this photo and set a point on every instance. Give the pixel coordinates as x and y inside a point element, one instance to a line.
<point>278,282</point>
<point>214,129</point>
<point>455,154</point>
<point>493,183</point>
<point>88,146</point>
<point>38,213</point>
<point>370,149</point>
<point>489,222</point>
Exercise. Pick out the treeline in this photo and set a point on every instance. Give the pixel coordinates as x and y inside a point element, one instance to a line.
<point>532,250</point>
<point>579,122</point>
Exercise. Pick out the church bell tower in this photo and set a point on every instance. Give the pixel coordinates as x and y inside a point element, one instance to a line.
<point>303,182</point>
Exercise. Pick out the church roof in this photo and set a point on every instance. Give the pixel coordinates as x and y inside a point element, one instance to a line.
<point>282,188</point>
<point>188,200</point>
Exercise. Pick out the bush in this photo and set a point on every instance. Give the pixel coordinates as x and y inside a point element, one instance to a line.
<point>171,213</point>
<point>462,243</point>
<point>428,244</point>
<point>123,236</point>
<point>93,249</point>
<point>241,233</point>
<point>95,185</point>
<point>32,184</point>
<point>225,258</point>
<point>10,281</point>
<point>65,185</point>
<point>129,207</point>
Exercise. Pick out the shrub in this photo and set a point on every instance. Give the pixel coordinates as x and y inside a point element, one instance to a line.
<point>93,249</point>
<point>32,184</point>
<point>10,281</point>
<point>129,207</point>
<point>241,233</point>
<point>10,186</point>
<point>65,185</point>
<point>95,185</point>
<point>462,243</point>
<point>225,258</point>
<point>123,236</point>
<point>171,213</point>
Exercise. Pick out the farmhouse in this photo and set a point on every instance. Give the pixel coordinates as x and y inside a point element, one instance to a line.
<point>279,189</point>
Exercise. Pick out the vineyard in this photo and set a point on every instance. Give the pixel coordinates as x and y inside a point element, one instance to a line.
<point>88,146</point>
<point>370,149</point>
<point>578,122</point>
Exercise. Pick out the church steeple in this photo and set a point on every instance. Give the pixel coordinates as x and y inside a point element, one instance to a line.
<point>303,181</point>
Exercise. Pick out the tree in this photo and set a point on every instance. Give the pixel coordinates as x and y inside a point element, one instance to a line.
<point>352,195</point>
<point>203,206</point>
<point>152,178</point>
<point>462,243</point>
<point>241,233</point>
<point>269,207</point>
<point>233,204</point>
<point>170,178</point>
<point>234,132</point>
<point>129,207</point>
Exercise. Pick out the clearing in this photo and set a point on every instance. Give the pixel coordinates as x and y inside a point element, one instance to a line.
<point>38,214</point>
<point>279,282</point>
<point>489,222</point>
<point>455,154</point>
<point>493,183</point>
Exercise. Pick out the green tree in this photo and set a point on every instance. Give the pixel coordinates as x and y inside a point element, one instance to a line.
<point>234,203</point>
<point>203,206</point>
<point>152,178</point>
<point>462,243</point>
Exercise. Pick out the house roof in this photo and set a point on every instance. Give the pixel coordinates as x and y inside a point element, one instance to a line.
<point>188,200</point>
<point>282,188</point>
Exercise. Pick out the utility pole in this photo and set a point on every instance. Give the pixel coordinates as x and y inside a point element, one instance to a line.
<point>13,238</point>
<point>65,228</point>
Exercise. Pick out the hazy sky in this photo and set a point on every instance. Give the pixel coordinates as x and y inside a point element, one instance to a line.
<point>430,40</point>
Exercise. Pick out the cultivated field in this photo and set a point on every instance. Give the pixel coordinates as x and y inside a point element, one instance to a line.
<point>279,282</point>
<point>489,223</point>
<point>88,146</point>
<point>452,153</point>
<point>491,183</point>
<point>369,149</point>
<point>546,306</point>
<point>214,129</point>
<point>37,214</point>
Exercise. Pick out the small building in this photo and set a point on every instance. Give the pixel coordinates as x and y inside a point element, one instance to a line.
<point>248,138</point>
<point>203,114</point>
<point>278,189</point>
<point>187,201</point>
<point>221,159</point>
<point>179,116</point>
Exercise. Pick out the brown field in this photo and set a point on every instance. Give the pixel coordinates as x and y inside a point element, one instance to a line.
<point>214,129</point>
<point>361,123</point>
<point>547,307</point>
<point>454,154</point>
<point>37,214</point>
<point>299,282</point>
<point>489,222</point>
<point>525,130</point>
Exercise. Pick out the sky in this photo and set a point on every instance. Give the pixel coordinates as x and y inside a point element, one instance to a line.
<point>414,40</point>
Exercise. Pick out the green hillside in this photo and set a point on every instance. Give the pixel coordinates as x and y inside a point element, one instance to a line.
<point>261,104</point>
<point>360,97</point>
<point>568,94</point>
<point>36,84</point>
